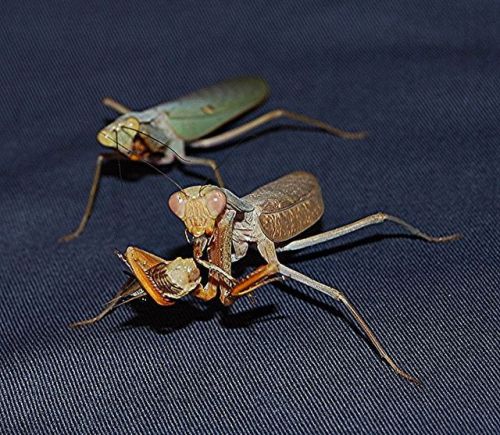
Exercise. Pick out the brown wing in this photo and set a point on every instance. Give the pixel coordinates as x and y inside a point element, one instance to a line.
<point>288,205</point>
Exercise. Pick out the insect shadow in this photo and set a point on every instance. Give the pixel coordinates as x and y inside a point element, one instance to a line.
<point>132,171</point>
<point>166,320</point>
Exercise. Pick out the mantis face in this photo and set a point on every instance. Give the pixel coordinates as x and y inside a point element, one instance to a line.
<point>122,135</point>
<point>198,207</point>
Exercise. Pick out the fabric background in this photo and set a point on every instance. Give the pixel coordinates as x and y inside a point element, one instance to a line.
<point>420,77</point>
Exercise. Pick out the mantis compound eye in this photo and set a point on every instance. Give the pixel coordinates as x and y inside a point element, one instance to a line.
<point>131,125</point>
<point>119,134</point>
<point>216,202</point>
<point>107,138</point>
<point>177,203</point>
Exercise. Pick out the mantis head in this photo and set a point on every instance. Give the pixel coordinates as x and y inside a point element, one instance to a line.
<point>198,207</point>
<point>121,135</point>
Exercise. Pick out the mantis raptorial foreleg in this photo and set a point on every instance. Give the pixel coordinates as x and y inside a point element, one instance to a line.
<point>260,277</point>
<point>373,219</point>
<point>101,159</point>
<point>270,116</point>
<point>187,160</point>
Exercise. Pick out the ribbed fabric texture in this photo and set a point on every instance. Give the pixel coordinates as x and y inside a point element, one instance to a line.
<point>420,77</point>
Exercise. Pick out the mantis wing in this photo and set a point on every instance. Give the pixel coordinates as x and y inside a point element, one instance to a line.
<point>288,206</point>
<point>200,113</point>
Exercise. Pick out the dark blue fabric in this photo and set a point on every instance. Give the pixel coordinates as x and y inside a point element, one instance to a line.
<point>421,77</point>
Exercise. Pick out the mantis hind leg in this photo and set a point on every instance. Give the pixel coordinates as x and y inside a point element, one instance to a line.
<point>341,297</point>
<point>101,159</point>
<point>373,219</point>
<point>270,116</point>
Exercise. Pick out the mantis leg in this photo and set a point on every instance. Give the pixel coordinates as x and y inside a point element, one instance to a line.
<point>128,289</point>
<point>101,159</point>
<point>341,297</point>
<point>270,116</point>
<point>189,160</point>
<point>116,106</point>
<point>251,288</point>
<point>376,218</point>
<point>261,276</point>
<point>267,274</point>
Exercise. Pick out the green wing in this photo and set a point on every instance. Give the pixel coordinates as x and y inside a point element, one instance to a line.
<point>202,112</point>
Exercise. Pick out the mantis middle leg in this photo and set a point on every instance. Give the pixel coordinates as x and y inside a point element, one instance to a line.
<point>341,297</point>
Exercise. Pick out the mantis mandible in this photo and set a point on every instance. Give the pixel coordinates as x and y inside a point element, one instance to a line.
<point>159,135</point>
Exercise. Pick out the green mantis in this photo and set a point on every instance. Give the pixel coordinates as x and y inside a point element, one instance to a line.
<point>160,135</point>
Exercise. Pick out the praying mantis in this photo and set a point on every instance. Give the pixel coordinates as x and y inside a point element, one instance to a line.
<point>159,135</point>
<point>223,226</point>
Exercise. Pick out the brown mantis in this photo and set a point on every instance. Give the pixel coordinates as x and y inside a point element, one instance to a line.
<point>159,135</point>
<point>223,226</point>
